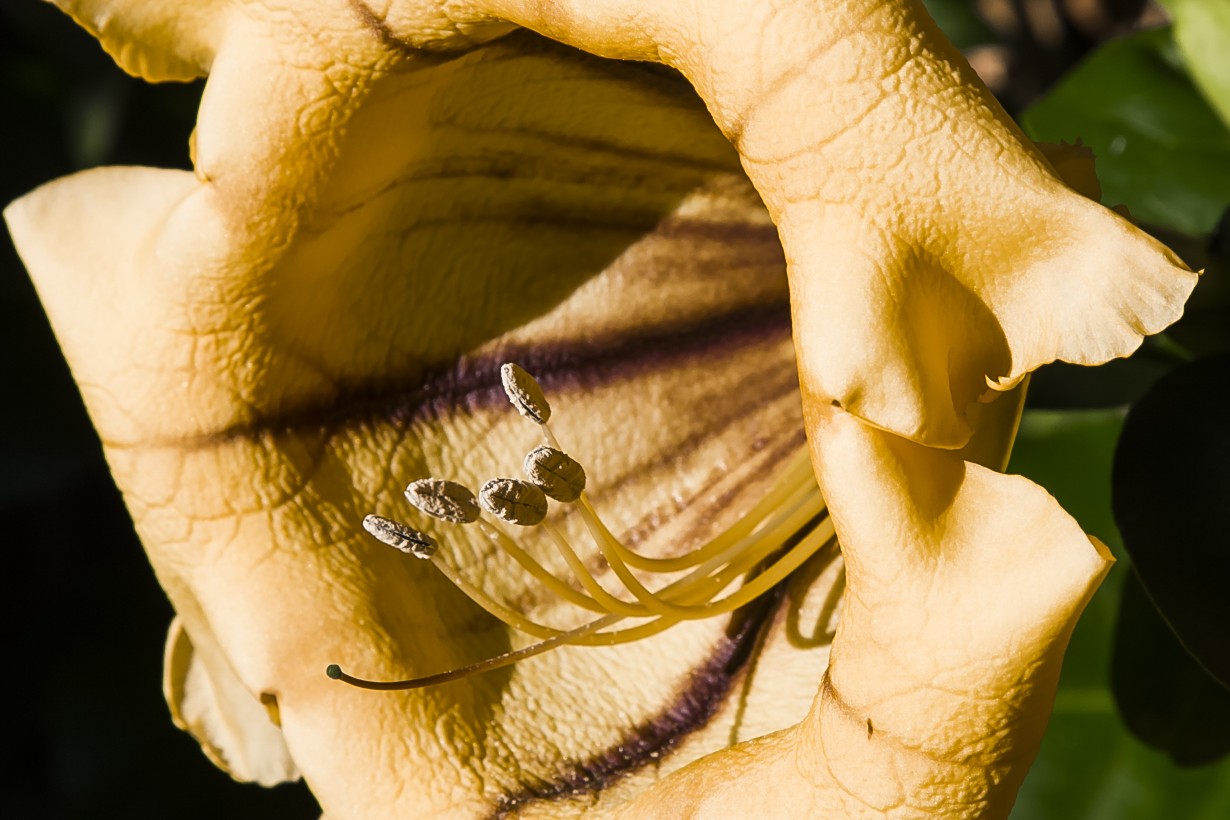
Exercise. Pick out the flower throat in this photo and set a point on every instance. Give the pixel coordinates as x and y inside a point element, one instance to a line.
<point>785,528</point>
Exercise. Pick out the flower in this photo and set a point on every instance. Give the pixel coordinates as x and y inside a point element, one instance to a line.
<point>387,204</point>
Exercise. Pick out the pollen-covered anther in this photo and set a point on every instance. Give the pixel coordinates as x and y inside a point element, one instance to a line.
<point>446,500</point>
<point>517,502</point>
<point>525,393</point>
<point>400,537</point>
<point>556,473</point>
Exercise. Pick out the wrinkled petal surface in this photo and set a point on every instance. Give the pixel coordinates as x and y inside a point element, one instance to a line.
<point>256,400</point>
<point>962,588</point>
<point>390,201</point>
<point>209,702</point>
<point>927,239</point>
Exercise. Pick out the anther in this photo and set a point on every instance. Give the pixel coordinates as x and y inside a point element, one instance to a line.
<point>446,500</point>
<point>525,393</point>
<point>400,537</point>
<point>555,473</point>
<point>516,502</point>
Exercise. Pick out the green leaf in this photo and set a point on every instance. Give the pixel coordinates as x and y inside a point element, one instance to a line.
<point>1172,504</point>
<point>1164,696</point>
<point>1204,329</point>
<point>1063,386</point>
<point>1161,149</point>
<point>960,22</point>
<point>1202,31</point>
<point>1090,767</point>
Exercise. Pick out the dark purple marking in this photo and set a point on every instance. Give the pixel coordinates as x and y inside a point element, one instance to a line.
<point>707,689</point>
<point>699,701</point>
<point>473,384</point>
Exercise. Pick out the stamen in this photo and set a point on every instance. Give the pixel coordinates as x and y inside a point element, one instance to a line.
<point>504,613</point>
<point>555,473</point>
<point>509,545</point>
<point>445,500</point>
<point>589,634</point>
<point>525,393</point>
<point>400,537</point>
<point>796,482</point>
<point>516,502</point>
<point>782,530</point>
<point>608,601</point>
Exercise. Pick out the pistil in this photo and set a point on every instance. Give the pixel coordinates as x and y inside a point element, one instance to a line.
<point>773,539</point>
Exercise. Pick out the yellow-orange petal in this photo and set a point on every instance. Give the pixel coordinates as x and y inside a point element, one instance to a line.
<point>270,358</point>
<point>963,586</point>
<point>932,250</point>
<point>357,221</point>
<point>1075,165</point>
<point>236,731</point>
<point>156,40</point>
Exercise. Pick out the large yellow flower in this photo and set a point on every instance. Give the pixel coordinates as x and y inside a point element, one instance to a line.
<point>391,200</point>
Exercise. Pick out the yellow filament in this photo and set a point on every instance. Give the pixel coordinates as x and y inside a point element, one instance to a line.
<point>796,478</point>
<point>743,559</point>
<point>762,543</point>
<point>549,437</point>
<point>684,589</point>
<point>679,595</point>
<point>785,511</point>
<point>506,542</point>
<point>766,580</point>
<point>608,601</point>
<point>589,635</point>
<point>509,616</point>
<point>802,506</point>
<point>745,544</point>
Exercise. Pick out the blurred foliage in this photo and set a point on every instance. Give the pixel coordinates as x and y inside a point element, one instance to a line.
<point>1185,712</point>
<point>1091,767</point>
<point>960,22</point>
<point>1172,502</point>
<point>1118,743</point>
<point>1161,148</point>
<point>1202,30</point>
<point>93,738</point>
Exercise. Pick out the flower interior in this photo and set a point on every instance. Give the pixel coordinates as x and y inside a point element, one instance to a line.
<point>785,528</point>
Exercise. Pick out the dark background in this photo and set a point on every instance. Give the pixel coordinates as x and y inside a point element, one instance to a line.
<point>84,621</point>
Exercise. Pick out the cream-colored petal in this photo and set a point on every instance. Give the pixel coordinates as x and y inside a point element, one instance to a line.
<point>94,274</point>
<point>959,605</point>
<point>380,212</point>
<point>236,731</point>
<point>155,39</point>
<point>265,371</point>
<point>931,248</point>
<point>1075,165</point>
<point>963,586</point>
